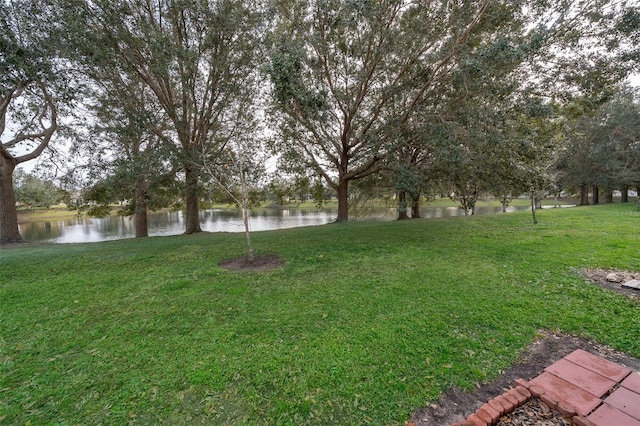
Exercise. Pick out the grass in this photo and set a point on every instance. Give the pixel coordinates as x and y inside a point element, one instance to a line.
<point>492,202</point>
<point>366,322</point>
<point>54,213</point>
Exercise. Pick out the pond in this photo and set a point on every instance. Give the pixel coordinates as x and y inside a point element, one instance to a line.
<point>86,230</point>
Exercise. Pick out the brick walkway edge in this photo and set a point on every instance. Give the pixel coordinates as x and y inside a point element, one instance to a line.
<point>587,389</point>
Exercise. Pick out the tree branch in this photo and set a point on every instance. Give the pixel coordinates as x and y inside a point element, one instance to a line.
<point>47,132</point>
<point>462,39</point>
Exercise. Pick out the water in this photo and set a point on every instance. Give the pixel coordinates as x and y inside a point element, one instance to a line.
<point>85,230</point>
<point>218,220</point>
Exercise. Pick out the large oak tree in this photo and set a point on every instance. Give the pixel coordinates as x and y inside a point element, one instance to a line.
<point>196,57</point>
<point>137,165</point>
<point>337,65</point>
<point>29,100</point>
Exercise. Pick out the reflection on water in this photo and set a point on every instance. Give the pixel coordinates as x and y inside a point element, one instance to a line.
<point>86,230</point>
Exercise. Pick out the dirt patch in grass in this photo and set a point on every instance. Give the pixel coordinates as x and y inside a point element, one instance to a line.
<point>599,277</point>
<point>263,263</point>
<point>457,404</point>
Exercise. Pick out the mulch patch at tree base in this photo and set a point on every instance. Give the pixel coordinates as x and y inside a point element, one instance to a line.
<point>260,263</point>
<point>534,412</point>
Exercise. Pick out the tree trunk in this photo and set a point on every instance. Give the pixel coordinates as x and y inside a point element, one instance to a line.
<point>584,195</point>
<point>608,197</point>
<point>343,201</point>
<point>465,205</point>
<point>624,197</point>
<point>244,193</point>
<point>192,206</point>
<point>596,195</point>
<point>415,207</point>
<point>533,208</point>
<point>9,232</point>
<point>402,205</point>
<point>141,220</point>
<point>247,230</point>
<point>470,203</point>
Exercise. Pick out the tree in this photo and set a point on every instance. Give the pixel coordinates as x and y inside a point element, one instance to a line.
<point>411,183</point>
<point>280,189</point>
<point>131,128</point>
<point>302,187</point>
<point>411,165</point>
<point>35,192</point>
<point>464,171</point>
<point>197,58</point>
<point>337,65</point>
<point>240,172</point>
<point>618,138</point>
<point>30,97</point>
<point>346,75</point>
<point>539,132</point>
<point>604,151</point>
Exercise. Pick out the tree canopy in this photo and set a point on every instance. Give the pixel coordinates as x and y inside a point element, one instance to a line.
<point>354,81</point>
<point>604,151</point>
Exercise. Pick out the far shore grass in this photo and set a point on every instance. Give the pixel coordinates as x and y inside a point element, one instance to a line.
<point>365,323</point>
<point>61,212</point>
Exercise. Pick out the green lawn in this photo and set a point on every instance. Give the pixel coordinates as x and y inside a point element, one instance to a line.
<point>366,322</point>
<point>53,213</point>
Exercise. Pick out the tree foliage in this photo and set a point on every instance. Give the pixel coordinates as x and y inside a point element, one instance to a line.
<point>132,129</point>
<point>34,192</point>
<point>604,151</point>
<point>399,95</point>
<point>31,92</point>
<point>196,58</point>
<point>357,84</point>
<point>338,66</point>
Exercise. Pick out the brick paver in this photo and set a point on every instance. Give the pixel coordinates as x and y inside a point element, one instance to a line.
<point>603,367</point>
<point>606,415</point>
<point>632,382</point>
<point>626,401</point>
<point>561,390</point>
<point>593,383</point>
<point>586,387</point>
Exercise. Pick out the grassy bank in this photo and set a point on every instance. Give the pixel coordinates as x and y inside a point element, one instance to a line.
<point>364,324</point>
<point>53,213</point>
<point>63,213</point>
